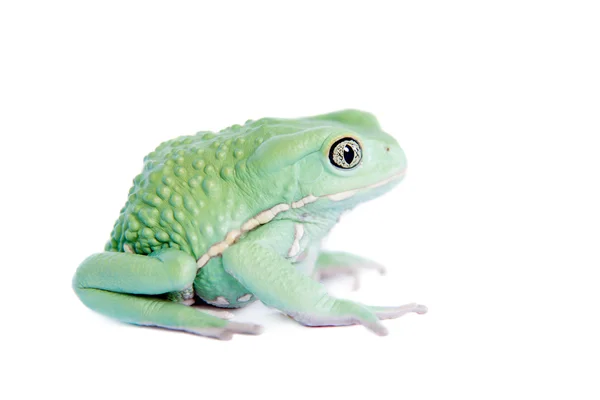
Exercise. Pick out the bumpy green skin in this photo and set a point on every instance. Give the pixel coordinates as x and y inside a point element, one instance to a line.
<point>196,189</point>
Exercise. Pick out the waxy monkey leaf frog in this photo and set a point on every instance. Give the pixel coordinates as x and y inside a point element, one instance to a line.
<point>232,217</point>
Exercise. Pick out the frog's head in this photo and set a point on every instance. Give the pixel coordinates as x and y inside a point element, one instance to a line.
<point>343,156</point>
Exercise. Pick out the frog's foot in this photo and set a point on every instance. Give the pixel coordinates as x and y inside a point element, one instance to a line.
<point>348,270</point>
<point>308,302</point>
<point>395,312</point>
<point>227,331</point>
<point>344,312</point>
<point>214,311</point>
<point>331,264</point>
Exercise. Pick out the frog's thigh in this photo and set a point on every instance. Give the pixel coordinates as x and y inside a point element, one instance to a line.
<point>110,283</point>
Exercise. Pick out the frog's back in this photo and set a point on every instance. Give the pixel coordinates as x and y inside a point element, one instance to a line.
<point>192,191</point>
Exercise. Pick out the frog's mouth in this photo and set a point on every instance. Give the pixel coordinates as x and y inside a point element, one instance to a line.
<point>267,215</point>
<point>349,193</point>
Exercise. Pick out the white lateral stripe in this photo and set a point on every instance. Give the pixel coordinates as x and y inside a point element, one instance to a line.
<point>217,249</point>
<point>267,216</point>
<point>304,201</point>
<point>202,261</point>
<point>280,207</point>
<point>310,199</point>
<point>249,225</point>
<point>260,219</point>
<point>232,236</point>
<point>342,195</point>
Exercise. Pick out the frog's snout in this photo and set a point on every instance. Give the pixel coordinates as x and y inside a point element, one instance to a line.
<point>395,157</point>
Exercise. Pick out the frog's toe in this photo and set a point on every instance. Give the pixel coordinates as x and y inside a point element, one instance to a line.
<point>421,309</point>
<point>223,314</point>
<point>375,266</point>
<point>395,312</point>
<point>376,327</point>
<point>223,335</point>
<point>231,328</point>
<point>244,328</point>
<point>353,271</point>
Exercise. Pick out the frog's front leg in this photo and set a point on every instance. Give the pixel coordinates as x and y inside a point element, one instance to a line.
<point>121,285</point>
<point>258,262</point>
<point>331,264</point>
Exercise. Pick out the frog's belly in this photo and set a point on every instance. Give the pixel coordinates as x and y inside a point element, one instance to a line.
<point>216,287</point>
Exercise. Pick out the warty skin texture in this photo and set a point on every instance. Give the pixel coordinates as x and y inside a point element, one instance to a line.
<point>233,204</point>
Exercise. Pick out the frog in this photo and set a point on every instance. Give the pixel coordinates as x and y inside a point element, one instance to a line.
<point>224,219</point>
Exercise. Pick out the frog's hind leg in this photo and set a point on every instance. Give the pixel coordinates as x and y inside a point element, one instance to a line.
<point>330,264</point>
<point>124,286</point>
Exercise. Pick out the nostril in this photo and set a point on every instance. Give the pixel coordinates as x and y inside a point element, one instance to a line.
<point>387,149</point>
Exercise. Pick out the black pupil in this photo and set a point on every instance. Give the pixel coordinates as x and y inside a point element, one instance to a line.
<point>348,154</point>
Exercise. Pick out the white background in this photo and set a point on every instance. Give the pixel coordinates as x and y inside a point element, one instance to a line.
<point>496,227</point>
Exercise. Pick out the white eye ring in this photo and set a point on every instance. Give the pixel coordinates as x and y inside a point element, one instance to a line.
<point>345,153</point>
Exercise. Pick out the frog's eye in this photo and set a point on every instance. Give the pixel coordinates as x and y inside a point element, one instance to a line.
<point>345,153</point>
